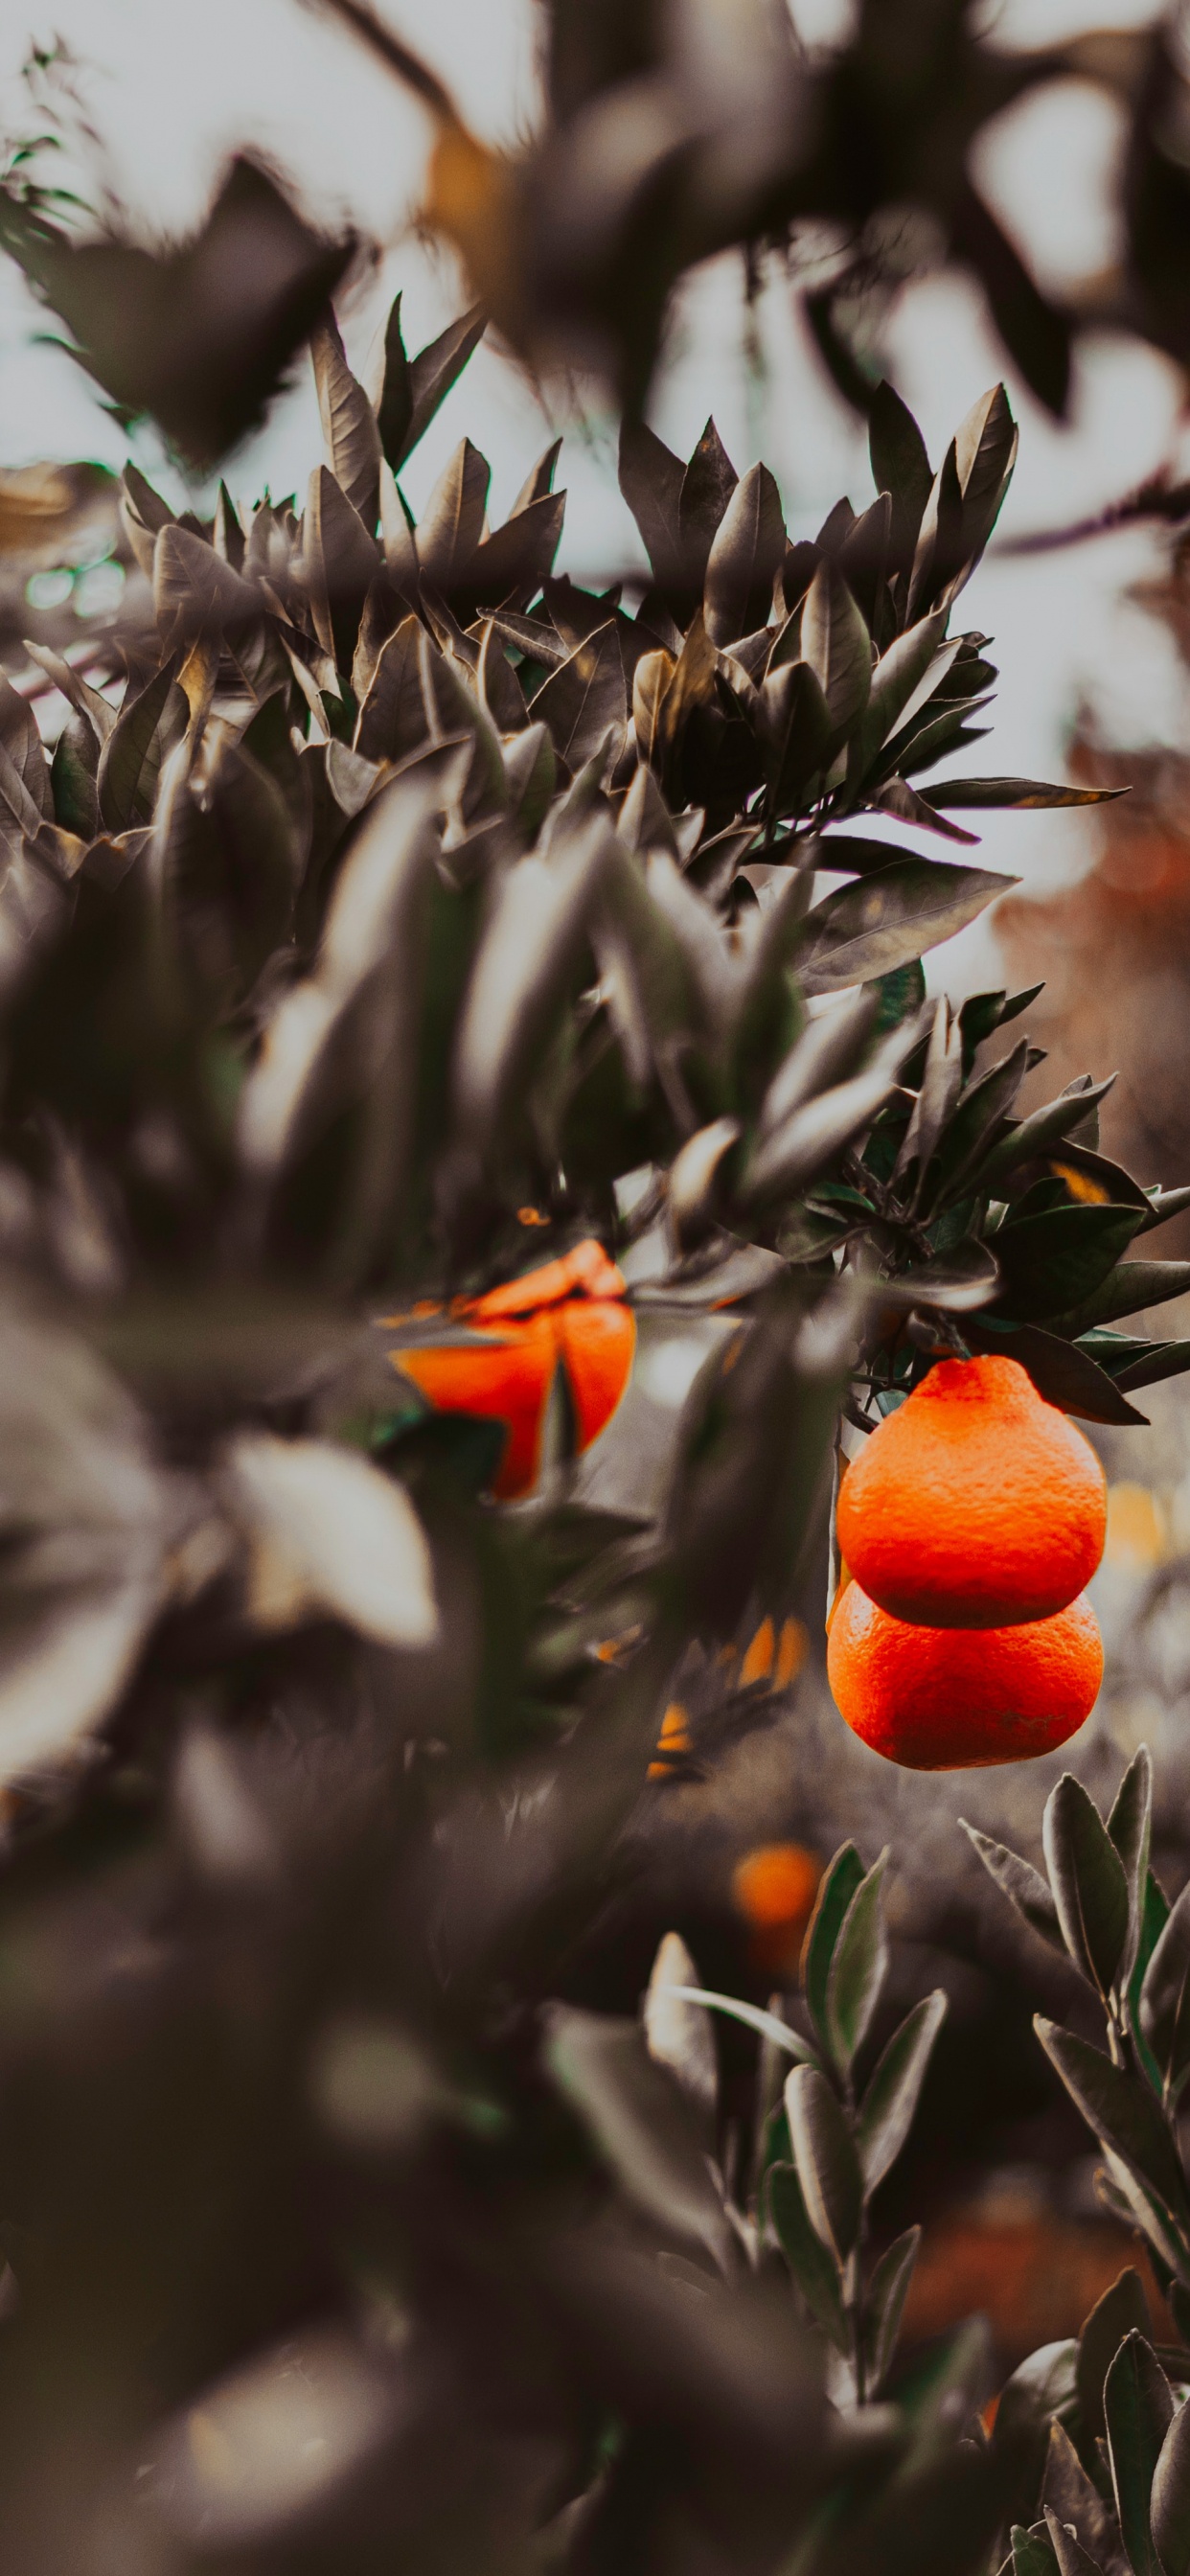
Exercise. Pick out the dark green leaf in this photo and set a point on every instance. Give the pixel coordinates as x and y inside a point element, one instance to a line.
<point>1130,1289</point>
<point>1026,794</point>
<point>1129,1826</point>
<point>885,2305</point>
<point>1088,1880</point>
<point>636,2117</point>
<point>1122,2310</point>
<point>858,1968</point>
<point>882,921</point>
<point>901,467</point>
<point>827,2164</point>
<point>1165,1998</point>
<point>836,644</point>
<point>131,757</point>
<point>1032,2553</point>
<point>1170,2499</point>
<point>1061,1371</point>
<point>1154,1917</point>
<point>1023,1885</point>
<point>1121,2112</point>
<point>1138,2410</point>
<point>1036,1133</point>
<point>1053,1261</point>
<point>812,2264</point>
<point>890,2101</point>
<point>432,373</point>
<point>836,1888</point>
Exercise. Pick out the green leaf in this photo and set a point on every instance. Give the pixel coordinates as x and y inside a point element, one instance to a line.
<point>1064,1373</point>
<point>836,1888</point>
<point>432,373</point>
<point>1023,1885</point>
<point>884,2307</point>
<point>1165,1999</point>
<point>1154,1917</point>
<point>836,644</point>
<point>1121,2112</point>
<point>901,467</point>
<point>949,794</point>
<point>746,553</point>
<point>1163,1360</point>
<point>1036,1133</point>
<point>810,2261</point>
<point>765,2024</point>
<point>827,2164</point>
<point>1032,2552</point>
<point>1170,2500</point>
<point>885,920</point>
<point>1088,1880</point>
<point>1129,1826</point>
<point>636,2117</point>
<point>1138,2410</point>
<point>130,760</point>
<point>1052,1261</point>
<point>1122,2310</point>
<point>890,2101</point>
<point>1130,1289</point>
<point>857,1970</point>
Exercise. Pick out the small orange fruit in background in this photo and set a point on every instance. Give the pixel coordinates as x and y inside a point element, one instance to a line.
<point>957,1699</point>
<point>774,1888</point>
<point>976,1504</point>
<point>569,1314</point>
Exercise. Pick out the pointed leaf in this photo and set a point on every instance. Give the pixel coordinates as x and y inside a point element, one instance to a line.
<point>349,429</point>
<point>1122,2310</point>
<point>1088,1881</point>
<point>1023,1885</point>
<point>836,1888</point>
<point>812,2264</point>
<point>827,2164</point>
<point>1170,2501</point>
<point>901,467</point>
<point>1024,794</point>
<point>881,922</point>
<point>451,525</point>
<point>888,2290</point>
<point>1165,1998</point>
<point>836,644</point>
<point>1138,2411</point>
<point>747,551</point>
<point>635,2116</point>
<point>858,1968</point>
<point>890,2102</point>
<point>430,376</point>
<point>1129,1826</point>
<point>1122,2114</point>
<point>130,761</point>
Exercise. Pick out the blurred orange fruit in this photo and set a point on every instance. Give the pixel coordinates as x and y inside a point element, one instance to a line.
<point>976,1504</point>
<point>774,1888</point>
<point>956,1699</point>
<point>570,1314</point>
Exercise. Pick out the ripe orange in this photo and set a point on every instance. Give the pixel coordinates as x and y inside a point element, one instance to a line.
<point>569,1314</point>
<point>976,1504</point>
<point>957,1699</point>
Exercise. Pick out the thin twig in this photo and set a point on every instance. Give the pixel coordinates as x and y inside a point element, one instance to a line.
<point>1155,499</point>
<point>398,57</point>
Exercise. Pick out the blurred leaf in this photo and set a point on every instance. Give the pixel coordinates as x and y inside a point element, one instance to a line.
<point>888,2290</point>
<point>1024,794</point>
<point>765,2024</point>
<point>329,1535</point>
<point>130,760</point>
<point>522,974</point>
<point>827,2164</point>
<point>199,337</point>
<point>1036,1133</point>
<point>812,2264</point>
<point>634,2113</point>
<point>272,2441</point>
<point>1165,1998</point>
<point>678,2033</point>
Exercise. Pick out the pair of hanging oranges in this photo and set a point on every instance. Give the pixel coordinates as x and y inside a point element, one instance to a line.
<point>961,1634</point>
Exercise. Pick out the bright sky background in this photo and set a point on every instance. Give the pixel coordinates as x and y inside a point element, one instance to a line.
<point>171,90</point>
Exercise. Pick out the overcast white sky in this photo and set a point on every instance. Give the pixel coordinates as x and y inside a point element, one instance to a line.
<point>171,89</point>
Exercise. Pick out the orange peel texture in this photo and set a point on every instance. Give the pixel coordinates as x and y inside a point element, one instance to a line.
<point>976,1504</point>
<point>569,1314</point>
<point>957,1699</point>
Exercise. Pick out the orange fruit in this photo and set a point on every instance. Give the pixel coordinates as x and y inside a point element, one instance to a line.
<point>569,1314</point>
<point>774,1888</point>
<point>957,1699</point>
<point>976,1504</point>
